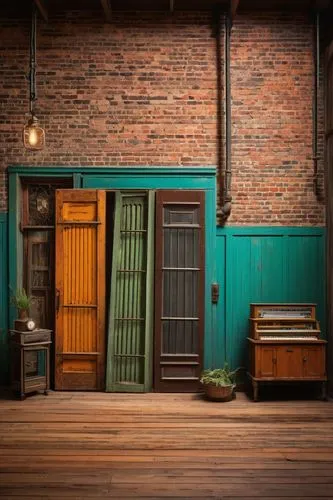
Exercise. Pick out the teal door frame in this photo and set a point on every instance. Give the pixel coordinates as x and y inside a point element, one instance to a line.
<point>189,178</point>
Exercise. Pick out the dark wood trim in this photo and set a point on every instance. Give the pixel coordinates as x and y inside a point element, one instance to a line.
<point>329,208</point>
<point>321,4</point>
<point>106,5</point>
<point>233,9</point>
<point>158,288</point>
<point>36,228</point>
<point>41,7</point>
<point>101,288</point>
<point>58,319</point>
<point>25,204</point>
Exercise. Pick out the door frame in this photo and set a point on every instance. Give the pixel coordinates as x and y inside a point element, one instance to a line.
<point>124,178</point>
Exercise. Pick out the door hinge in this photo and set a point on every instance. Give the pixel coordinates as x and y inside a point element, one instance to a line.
<point>215,293</point>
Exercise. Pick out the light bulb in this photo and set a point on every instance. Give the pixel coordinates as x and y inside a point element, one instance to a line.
<point>33,136</point>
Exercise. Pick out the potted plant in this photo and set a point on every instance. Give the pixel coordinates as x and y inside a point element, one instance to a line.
<point>22,302</point>
<point>219,384</point>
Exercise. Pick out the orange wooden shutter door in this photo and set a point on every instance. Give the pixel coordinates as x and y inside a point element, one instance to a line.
<point>80,290</point>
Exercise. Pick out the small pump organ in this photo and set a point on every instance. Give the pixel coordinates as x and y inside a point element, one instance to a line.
<point>285,345</point>
<point>284,322</point>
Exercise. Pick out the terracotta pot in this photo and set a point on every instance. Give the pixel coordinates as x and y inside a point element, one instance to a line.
<point>23,314</point>
<point>219,393</point>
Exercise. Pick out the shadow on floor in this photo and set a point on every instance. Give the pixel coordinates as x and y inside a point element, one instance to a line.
<point>289,391</point>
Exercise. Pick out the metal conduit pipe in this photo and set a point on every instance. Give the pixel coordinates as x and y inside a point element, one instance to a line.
<point>217,26</point>
<point>221,31</point>
<point>315,155</point>
<point>226,188</point>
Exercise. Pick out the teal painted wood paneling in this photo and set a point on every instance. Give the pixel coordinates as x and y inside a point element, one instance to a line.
<point>60,171</point>
<point>137,181</point>
<point>306,273</point>
<point>219,348</point>
<point>265,264</point>
<point>4,355</point>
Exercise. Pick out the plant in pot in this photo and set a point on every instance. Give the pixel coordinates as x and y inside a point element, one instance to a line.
<point>219,384</point>
<point>22,302</point>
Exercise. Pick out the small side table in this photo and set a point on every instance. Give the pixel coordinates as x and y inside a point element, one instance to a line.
<point>30,361</point>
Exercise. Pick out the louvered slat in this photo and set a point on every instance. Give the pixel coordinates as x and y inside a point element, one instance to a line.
<point>128,363</point>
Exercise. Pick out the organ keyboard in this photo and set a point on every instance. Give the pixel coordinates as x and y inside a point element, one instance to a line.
<point>284,321</point>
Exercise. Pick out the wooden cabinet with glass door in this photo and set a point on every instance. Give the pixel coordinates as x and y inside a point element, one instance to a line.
<point>37,226</point>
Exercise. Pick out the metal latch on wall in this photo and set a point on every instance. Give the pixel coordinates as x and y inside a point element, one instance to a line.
<point>215,292</point>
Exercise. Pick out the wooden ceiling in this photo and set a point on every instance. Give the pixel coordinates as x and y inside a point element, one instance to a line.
<point>48,8</point>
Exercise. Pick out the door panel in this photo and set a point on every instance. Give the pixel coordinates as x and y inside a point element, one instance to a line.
<point>129,364</point>
<point>39,276</point>
<point>267,362</point>
<point>289,362</point>
<point>80,289</point>
<point>179,290</point>
<point>314,361</point>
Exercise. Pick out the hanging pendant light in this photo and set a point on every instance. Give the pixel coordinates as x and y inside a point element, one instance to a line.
<point>33,134</point>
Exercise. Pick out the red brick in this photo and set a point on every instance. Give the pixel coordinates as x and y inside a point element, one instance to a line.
<point>142,91</point>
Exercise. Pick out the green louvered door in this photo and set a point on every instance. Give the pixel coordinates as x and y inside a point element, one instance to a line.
<point>129,363</point>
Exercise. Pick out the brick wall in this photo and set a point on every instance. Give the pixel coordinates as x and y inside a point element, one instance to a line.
<point>142,91</point>
<point>272,86</point>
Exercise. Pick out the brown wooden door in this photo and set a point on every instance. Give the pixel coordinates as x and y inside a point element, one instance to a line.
<point>179,290</point>
<point>80,290</point>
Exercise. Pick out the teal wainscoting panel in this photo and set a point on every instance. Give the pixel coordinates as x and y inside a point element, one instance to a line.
<point>265,264</point>
<point>306,273</point>
<point>4,355</point>
<point>220,320</point>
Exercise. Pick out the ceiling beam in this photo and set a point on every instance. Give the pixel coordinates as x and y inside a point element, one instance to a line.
<point>106,4</point>
<point>41,7</point>
<point>321,4</point>
<point>233,8</point>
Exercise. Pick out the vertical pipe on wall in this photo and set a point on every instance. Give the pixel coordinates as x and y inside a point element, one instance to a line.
<point>316,52</point>
<point>227,198</point>
<point>222,22</point>
<point>217,26</point>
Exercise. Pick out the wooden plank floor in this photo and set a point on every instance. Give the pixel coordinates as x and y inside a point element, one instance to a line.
<point>154,446</point>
